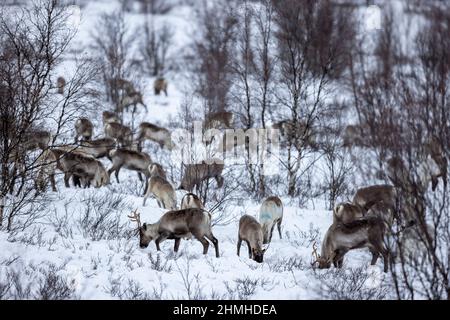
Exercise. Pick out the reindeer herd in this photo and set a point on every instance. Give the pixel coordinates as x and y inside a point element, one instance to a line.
<point>362,223</point>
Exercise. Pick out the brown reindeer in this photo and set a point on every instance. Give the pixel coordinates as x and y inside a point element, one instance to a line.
<point>131,160</point>
<point>436,152</point>
<point>353,136</point>
<point>149,131</point>
<point>367,196</point>
<point>121,133</point>
<point>159,85</point>
<point>124,85</point>
<point>179,224</point>
<point>37,139</point>
<point>191,200</point>
<point>299,132</point>
<point>195,174</point>
<point>156,169</point>
<point>219,120</point>
<point>74,163</point>
<point>341,238</point>
<point>271,214</point>
<point>109,117</point>
<point>98,148</point>
<point>251,232</point>
<point>83,128</point>
<point>61,84</point>
<point>163,192</point>
<point>132,99</point>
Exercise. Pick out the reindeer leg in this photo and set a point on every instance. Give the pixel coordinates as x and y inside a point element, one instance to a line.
<point>177,244</point>
<point>215,242</point>
<point>239,243</point>
<point>140,176</point>
<point>271,232</point>
<point>66,179</point>
<point>375,254</point>
<point>160,239</point>
<point>279,227</point>
<point>53,182</point>
<point>250,254</point>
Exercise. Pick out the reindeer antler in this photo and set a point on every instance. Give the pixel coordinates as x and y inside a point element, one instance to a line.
<point>315,254</point>
<point>136,217</point>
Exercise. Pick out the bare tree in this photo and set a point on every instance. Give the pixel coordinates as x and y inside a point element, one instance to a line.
<point>31,46</point>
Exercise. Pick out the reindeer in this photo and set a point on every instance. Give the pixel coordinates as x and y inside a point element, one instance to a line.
<point>252,233</point>
<point>435,150</point>
<point>340,238</point>
<point>300,132</point>
<point>191,200</point>
<point>118,83</point>
<point>119,132</point>
<point>367,196</point>
<point>98,148</point>
<point>131,160</point>
<point>195,174</point>
<point>61,85</point>
<point>83,128</point>
<point>132,99</point>
<point>159,85</point>
<point>163,192</point>
<point>178,224</point>
<point>109,117</point>
<point>156,169</point>
<point>37,139</point>
<point>346,212</point>
<point>149,131</point>
<point>219,120</point>
<point>271,214</point>
<point>73,163</point>
<point>353,136</point>
<point>47,167</point>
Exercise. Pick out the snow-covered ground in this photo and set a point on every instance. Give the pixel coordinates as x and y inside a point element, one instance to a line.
<point>107,263</point>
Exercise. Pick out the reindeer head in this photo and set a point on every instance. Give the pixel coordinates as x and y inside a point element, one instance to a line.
<point>144,236</point>
<point>322,262</point>
<point>258,253</point>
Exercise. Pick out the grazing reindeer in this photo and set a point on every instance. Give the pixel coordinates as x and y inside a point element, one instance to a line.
<point>131,160</point>
<point>163,192</point>
<point>83,128</point>
<point>159,85</point>
<point>299,132</point>
<point>149,131</point>
<point>363,233</point>
<point>180,224</point>
<point>121,133</point>
<point>190,200</point>
<point>219,120</point>
<point>98,148</point>
<point>132,99</point>
<point>271,214</point>
<point>156,169</point>
<point>109,117</point>
<point>367,196</point>
<point>121,84</point>
<point>347,212</point>
<point>61,85</point>
<point>194,174</point>
<point>75,163</point>
<point>251,232</point>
